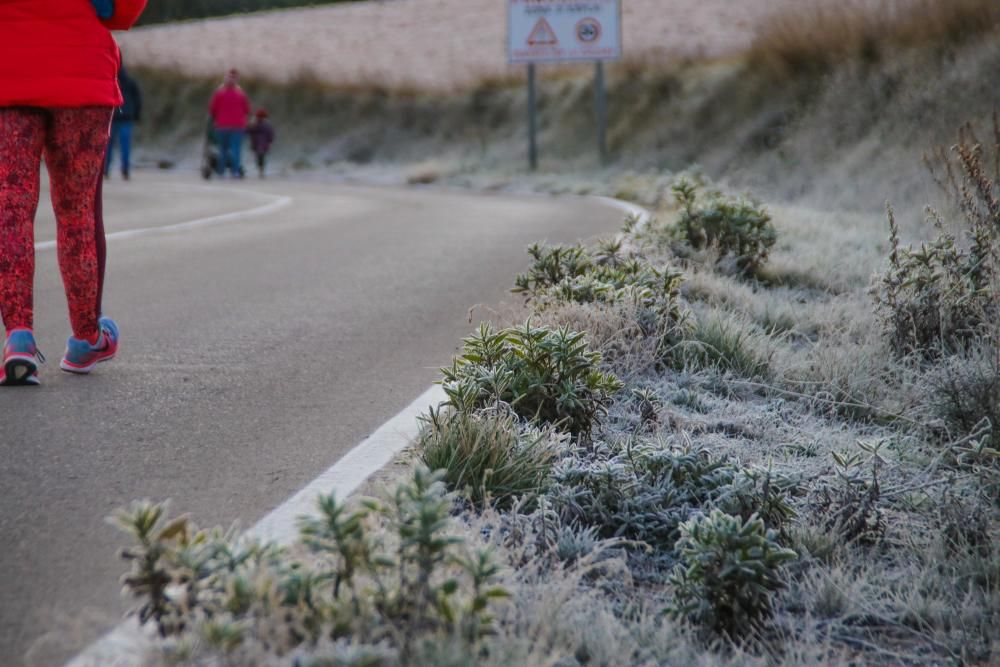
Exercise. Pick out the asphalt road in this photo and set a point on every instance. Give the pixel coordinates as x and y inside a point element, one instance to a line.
<point>255,353</point>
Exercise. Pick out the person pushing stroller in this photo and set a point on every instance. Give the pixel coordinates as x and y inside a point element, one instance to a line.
<point>229,109</point>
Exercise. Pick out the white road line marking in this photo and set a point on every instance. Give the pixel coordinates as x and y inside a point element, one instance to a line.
<point>278,203</point>
<point>628,208</point>
<point>344,477</point>
<point>128,643</point>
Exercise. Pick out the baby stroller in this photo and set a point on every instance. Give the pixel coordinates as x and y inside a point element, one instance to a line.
<point>211,153</point>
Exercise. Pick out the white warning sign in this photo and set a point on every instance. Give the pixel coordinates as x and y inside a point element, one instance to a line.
<point>552,31</point>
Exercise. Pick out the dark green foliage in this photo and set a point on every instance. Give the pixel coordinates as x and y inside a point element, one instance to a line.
<point>160,11</point>
<point>645,491</point>
<point>605,274</point>
<point>487,456</point>
<point>544,375</point>
<point>738,228</point>
<point>385,596</point>
<point>729,573</point>
<point>551,266</point>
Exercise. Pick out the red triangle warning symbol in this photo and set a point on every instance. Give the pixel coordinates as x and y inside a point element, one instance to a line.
<point>542,34</point>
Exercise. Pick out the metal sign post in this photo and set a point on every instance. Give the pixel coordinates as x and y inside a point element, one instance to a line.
<point>601,110</point>
<point>532,120</point>
<point>564,31</point>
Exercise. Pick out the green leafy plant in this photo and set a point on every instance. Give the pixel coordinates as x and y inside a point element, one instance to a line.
<point>150,578</point>
<point>738,228</point>
<point>487,456</point>
<point>385,575</point>
<point>552,265</point>
<point>544,375</point>
<point>729,573</point>
<point>608,274</point>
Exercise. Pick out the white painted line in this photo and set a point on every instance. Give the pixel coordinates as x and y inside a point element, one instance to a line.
<point>128,643</point>
<point>628,208</point>
<point>373,454</point>
<point>278,203</point>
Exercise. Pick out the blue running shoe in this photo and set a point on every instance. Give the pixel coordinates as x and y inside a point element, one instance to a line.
<point>20,359</point>
<point>81,356</point>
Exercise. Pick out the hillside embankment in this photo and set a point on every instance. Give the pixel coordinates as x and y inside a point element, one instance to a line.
<point>790,121</point>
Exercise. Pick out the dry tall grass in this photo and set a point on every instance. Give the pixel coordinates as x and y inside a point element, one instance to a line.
<point>816,33</point>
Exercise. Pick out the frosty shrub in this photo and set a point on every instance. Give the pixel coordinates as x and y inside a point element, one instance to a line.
<point>645,491</point>
<point>547,376</point>
<point>606,275</point>
<point>738,228</point>
<point>932,300</point>
<point>729,573</point>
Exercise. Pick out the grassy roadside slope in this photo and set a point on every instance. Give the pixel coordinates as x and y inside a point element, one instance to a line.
<point>790,131</point>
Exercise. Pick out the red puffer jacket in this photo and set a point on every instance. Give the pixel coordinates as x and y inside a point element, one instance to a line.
<point>57,53</point>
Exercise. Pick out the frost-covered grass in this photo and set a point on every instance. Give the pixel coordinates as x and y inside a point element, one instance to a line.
<point>835,448</point>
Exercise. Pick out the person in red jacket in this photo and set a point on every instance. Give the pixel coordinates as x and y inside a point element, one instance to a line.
<point>58,88</point>
<point>230,108</point>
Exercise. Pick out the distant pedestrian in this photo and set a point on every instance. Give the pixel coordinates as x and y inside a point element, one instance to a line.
<point>121,125</point>
<point>261,137</point>
<point>58,90</point>
<point>230,109</point>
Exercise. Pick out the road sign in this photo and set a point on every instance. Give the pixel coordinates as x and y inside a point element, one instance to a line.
<point>554,31</point>
<point>542,35</point>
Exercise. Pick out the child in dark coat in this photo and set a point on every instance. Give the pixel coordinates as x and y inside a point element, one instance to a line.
<point>261,137</point>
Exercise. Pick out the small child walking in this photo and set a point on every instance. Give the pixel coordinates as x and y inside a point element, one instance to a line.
<point>261,137</point>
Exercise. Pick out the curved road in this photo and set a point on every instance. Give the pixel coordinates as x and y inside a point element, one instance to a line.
<point>256,351</point>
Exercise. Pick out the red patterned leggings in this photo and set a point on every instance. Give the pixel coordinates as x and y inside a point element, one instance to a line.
<point>73,142</point>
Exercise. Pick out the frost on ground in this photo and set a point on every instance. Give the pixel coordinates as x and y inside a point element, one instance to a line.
<point>770,484</point>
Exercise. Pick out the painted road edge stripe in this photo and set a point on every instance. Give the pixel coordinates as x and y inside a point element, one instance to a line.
<point>628,208</point>
<point>127,644</point>
<point>277,204</point>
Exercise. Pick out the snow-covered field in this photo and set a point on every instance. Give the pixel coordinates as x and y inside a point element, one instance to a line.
<point>423,43</point>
